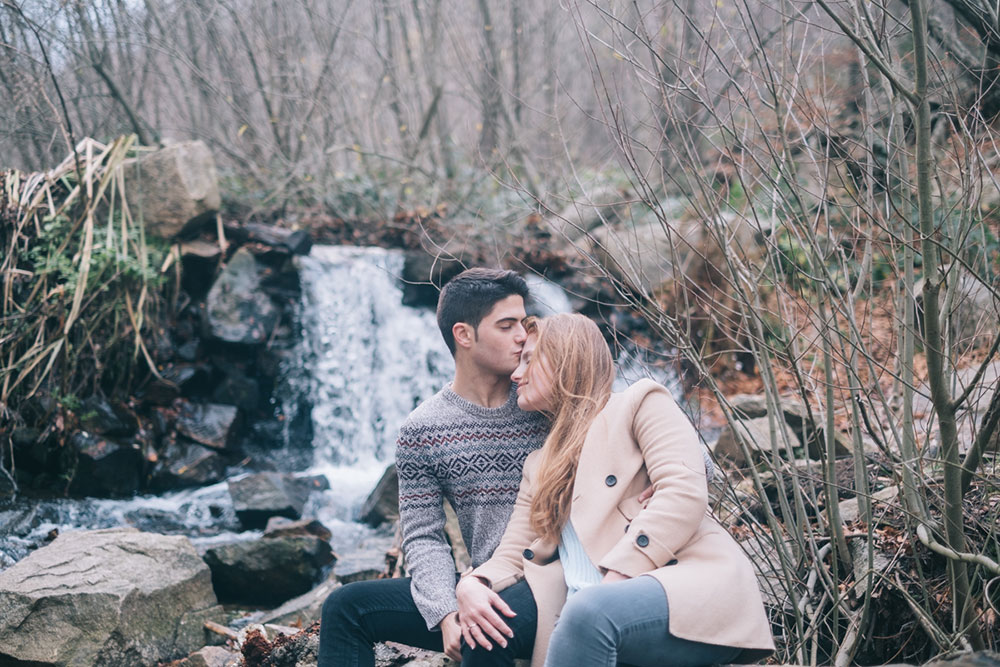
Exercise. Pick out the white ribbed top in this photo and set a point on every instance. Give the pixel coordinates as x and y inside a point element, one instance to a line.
<point>577,568</point>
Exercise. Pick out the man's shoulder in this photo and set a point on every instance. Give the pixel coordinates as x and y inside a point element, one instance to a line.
<point>431,412</point>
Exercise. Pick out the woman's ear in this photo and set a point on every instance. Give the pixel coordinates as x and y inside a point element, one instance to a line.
<point>464,333</point>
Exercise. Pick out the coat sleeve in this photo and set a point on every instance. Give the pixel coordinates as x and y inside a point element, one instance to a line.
<point>676,467</point>
<point>506,567</point>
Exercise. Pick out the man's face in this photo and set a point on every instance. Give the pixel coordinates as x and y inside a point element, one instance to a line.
<point>496,345</point>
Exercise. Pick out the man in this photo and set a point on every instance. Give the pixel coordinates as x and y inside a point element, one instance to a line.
<point>467,444</point>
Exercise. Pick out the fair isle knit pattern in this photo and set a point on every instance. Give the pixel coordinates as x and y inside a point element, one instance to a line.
<point>452,448</point>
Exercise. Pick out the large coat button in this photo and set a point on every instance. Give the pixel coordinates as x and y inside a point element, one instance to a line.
<point>642,541</point>
<point>528,554</point>
<point>610,480</point>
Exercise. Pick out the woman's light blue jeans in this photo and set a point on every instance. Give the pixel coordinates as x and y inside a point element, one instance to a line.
<point>625,622</point>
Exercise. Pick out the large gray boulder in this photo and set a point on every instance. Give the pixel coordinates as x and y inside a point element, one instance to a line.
<point>645,256</point>
<point>757,435</point>
<point>237,310</point>
<point>106,597</point>
<point>173,188</point>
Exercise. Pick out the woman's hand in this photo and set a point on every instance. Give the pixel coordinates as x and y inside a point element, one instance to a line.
<point>477,612</point>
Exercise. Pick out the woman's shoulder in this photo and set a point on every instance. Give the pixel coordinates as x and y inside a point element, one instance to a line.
<point>624,404</point>
<point>640,389</point>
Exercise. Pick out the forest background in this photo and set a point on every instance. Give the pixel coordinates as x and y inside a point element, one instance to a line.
<point>800,197</point>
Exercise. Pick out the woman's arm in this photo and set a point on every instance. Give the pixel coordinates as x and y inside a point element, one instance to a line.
<point>676,468</point>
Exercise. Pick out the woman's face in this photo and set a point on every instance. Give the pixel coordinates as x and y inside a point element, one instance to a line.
<point>534,379</point>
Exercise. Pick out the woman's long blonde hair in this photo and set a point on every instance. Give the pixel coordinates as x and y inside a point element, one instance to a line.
<point>578,358</point>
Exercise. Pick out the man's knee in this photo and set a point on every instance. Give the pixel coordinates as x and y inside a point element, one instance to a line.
<point>341,606</point>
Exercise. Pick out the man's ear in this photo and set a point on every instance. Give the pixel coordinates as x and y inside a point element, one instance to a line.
<point>464,334</point>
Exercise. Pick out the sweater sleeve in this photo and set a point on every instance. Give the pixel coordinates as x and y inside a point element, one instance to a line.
<point>677,470</point>
<point>427,553</point>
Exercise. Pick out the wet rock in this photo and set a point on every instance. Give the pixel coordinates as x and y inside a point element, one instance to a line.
<point>31,449</point>
<point>207,250</point>
<point>237,310</point>
<point>211,656</point>
<point>258,497</point>
<point>297,242</point>
<point>279,526</point>
<point>239,390</point>
<point>310,483</point>
<point>268,571</point>
<point>304,609</point>
<point>391,654</point>
<point>105,467</point>
<point>210,424</point>
<point>177,380</point>
<point>98,415</point>
<point>366,562</point>
<point>108,597</point>
<point>382,503</point>
<point>176,188</point>
<point>756,433</point>
<point>185,464</point>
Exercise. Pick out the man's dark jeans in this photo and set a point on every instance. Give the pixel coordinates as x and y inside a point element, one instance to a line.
<point>358,615</point>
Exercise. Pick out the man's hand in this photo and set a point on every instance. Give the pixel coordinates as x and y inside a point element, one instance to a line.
<point>451,636</point>
<point>477,608</point>
<point>612,576</point>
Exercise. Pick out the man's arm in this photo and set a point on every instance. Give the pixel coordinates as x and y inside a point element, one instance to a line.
<point>421,517</point>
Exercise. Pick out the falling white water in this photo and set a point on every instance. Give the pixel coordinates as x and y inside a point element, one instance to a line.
<point>368,359</point>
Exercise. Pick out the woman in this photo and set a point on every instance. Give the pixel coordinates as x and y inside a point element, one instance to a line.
<point>581,538</point>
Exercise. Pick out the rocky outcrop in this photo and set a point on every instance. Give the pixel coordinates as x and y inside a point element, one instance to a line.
<point>107,597</point>
<point>757,435</point>
<point>268,571</point>
<point>174,188</point>
<point>105,467</point>
<point>210,424</point>
<point>382,503</point>
<point>258,497</point>
<point>236,309</point>
<point>186,464</point>
<point>304,609</point>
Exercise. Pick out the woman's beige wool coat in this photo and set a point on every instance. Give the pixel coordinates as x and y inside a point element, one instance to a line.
<point>641,437</point>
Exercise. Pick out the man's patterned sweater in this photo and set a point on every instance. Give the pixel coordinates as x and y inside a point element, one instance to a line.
<point>452,448</point>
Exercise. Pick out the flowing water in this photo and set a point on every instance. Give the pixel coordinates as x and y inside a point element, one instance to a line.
<point>363,363</point>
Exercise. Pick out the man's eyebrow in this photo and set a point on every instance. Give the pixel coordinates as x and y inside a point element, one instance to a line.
<point>508,319</point>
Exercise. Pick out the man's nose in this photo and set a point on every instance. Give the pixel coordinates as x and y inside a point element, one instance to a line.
<point>520,334</point>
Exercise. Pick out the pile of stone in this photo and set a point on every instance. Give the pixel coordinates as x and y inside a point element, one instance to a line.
<point>124,597</point>
<point>216,366</point>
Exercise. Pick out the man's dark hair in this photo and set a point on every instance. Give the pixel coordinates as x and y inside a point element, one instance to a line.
<point>471,295</point>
